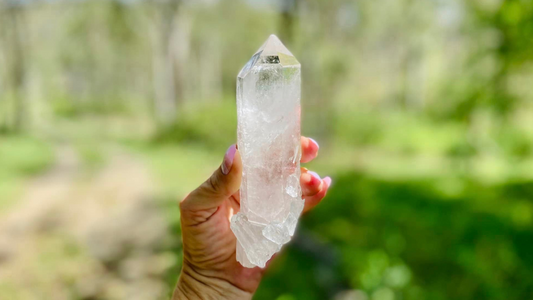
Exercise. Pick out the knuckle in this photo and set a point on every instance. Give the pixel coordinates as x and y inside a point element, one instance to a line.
<point>215,186</point>
<point>183,204</point>
<point>183,199</point>
<point>212,184</point>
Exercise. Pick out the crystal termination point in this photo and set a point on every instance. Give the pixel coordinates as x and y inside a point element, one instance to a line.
<point>268,137</point>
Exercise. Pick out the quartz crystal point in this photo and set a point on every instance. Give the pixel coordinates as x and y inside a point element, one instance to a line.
<point>268,111</point>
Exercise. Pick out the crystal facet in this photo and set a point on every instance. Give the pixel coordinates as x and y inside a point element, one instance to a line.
<point>268,110</point>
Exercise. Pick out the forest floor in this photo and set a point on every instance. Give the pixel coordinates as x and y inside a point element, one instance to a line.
<point>85,233</point>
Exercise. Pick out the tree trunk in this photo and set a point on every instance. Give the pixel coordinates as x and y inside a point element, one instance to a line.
<point>164,61</point>
<point>13,40</point>
<point>286,23</point>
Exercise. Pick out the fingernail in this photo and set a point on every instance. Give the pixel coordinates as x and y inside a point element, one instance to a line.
<point>317,145</point>
<point>228,159</point>
<point>314,174</point>
<point>328,181</point>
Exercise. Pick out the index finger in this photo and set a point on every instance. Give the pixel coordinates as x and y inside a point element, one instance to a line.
<point>309,149</point>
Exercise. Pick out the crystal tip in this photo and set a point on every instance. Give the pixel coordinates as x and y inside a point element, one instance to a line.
<point>273,52</point>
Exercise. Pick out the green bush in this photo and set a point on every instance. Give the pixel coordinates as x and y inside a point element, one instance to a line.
<point>210,125</point>
<point>409,240</point>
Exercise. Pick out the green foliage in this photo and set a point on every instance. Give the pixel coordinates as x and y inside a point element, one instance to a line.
<point>409,239</point>
<point>69,108</point>
<point>210,125</point>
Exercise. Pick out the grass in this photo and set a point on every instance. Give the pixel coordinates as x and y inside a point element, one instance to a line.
<point>20,158</point>
<point>179,168</point>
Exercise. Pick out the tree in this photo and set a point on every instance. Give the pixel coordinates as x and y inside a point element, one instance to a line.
<point>163,36</point>
<point>13,38</point>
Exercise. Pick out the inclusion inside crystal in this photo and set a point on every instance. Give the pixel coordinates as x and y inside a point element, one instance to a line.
<point>268,110</point>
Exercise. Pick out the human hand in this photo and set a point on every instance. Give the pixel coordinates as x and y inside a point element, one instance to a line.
<point>210,268</point>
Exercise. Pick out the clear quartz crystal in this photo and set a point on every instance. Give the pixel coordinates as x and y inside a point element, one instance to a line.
<point>268,110</point>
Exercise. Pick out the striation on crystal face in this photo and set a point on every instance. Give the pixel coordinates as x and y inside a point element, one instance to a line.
<point>268,134</point>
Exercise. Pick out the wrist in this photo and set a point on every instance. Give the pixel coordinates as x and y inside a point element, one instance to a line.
<point>192,285</point>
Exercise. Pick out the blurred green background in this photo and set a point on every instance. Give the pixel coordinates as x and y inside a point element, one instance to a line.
<point>111,111</point>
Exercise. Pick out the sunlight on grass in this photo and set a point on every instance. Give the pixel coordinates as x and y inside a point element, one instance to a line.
<point>180,168</point>
<point>20,158</point>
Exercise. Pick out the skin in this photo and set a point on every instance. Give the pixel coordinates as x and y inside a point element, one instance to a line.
<point>210,269</point>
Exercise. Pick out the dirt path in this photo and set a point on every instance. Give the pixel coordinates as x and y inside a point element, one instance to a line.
<point>78,234</point>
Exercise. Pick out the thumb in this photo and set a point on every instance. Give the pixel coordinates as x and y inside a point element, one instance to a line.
<point>224,182</point>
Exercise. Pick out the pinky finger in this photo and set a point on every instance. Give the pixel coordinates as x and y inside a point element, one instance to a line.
<point>313,201</point>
